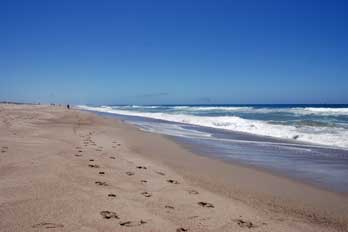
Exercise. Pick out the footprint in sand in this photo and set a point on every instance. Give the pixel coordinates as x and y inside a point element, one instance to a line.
<point>108,215</point>
<point>133,223</point>
<point>91,160</point>
<point>160,173</point>
<point>93,166</point>
<point>101,173</point>
<point>101,183</point>
<point>112,157</point>
<point>48,225</point>
<point>143,181</point>
<point>80,151</point>
<point>111,195</point>
<point>78,155</point>
<point>194,192</point>
<point>245,224</point>
<point>181,229</point>
<point>141,167</point>
<point>173,181</point>
<point>146,194</point>
<point>205,204</point>
<point>130,173</point>
<point>169,207</point>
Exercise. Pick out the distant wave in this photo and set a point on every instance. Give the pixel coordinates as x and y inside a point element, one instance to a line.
<point>329,111</point>
<point>135,107</point>
<point>297,110</point>
<point>146,107</point>
<point>304,111</point>
<point>248,109</point>
<point>320,135</point>
<point>209,108</point>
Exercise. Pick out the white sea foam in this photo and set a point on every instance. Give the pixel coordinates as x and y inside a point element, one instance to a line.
<point>249,109</point>
<point>171,129</point>
<point>297,110</point>
<point>326,111</point>
<point>212,108</point>
<point>320,135</point>
<point>145,107</point>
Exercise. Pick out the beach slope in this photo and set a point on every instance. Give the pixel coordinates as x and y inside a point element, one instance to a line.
<point>69,170</point>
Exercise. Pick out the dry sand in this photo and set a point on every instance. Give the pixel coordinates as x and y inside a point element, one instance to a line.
<point>67,170</point>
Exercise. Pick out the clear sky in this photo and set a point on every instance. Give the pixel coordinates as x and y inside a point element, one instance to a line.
<point>179,51</point>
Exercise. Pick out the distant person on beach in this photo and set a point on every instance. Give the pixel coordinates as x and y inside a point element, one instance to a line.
<point>68,106</point>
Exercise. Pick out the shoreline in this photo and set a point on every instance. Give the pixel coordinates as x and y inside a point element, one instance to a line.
<point>313,193</point>
<point>32,133</point>
<point>193,148</point>
<point>273,197</point>
<point>247,124</point>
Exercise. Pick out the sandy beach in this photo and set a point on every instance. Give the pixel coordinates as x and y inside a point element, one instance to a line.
<point>70,170</point>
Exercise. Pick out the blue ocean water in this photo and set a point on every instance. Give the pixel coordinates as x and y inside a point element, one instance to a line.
<point>307,142</point>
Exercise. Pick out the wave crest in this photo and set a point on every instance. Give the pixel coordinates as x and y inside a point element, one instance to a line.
<point>320,135</point>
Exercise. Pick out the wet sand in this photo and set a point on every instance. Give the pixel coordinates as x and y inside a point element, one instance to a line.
<point>68,170</point>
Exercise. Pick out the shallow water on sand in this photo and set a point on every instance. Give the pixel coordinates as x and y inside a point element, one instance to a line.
<point>322,166</point>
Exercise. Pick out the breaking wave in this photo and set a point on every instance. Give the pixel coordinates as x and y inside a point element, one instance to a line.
<point>310,132</point>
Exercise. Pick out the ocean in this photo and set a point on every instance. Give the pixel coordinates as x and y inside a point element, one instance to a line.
<point>306,142</point>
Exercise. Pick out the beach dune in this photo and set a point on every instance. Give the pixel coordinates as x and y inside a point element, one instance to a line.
<point>69,170</point>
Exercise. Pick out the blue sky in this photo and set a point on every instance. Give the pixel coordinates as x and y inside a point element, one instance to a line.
<point>167,52</point>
